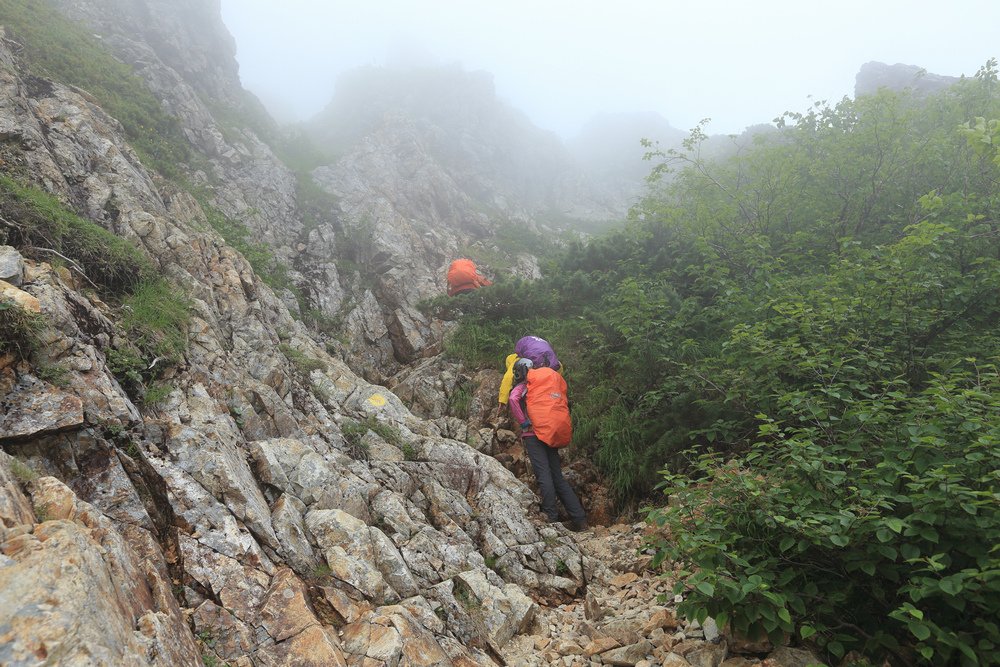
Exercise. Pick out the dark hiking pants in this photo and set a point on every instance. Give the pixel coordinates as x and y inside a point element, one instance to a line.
<point>551,483</point>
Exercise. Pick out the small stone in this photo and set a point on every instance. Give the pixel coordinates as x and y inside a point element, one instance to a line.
<point>624,579</point>
<point>711,629</point>
<point>600,646</point>
<point>662,618</point>
<point>783,656</point>
<point>627,656</point>
<point>707,655</point>
<point>687,645</point>
<point>742,644</point>
<point>567,647</point>
<point>673,660</point>
<point>592,609</point>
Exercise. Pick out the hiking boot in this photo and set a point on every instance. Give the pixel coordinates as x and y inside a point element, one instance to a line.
<point>578,525</point>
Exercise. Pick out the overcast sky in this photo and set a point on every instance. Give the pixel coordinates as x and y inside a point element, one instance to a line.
<point>739,62</point>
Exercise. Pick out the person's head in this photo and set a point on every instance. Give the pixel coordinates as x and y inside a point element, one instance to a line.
<point>521,368</point>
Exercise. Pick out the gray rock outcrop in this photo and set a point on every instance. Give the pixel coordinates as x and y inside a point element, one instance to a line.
<point>244,518</point>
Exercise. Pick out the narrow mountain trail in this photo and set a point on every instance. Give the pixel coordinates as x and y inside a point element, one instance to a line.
<point>627,616</point>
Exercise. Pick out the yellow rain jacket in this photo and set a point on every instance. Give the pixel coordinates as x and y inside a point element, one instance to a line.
<point>508,380</point>
<point>507,383</point>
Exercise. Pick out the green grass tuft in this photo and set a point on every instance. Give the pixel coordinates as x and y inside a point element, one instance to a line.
<point>18,330</point>
<point>22,472</point>
<point>57,48</point>
<point>302,362</point>
<point>354,432</point>
<point>39,224</point>
<point>460,400</point>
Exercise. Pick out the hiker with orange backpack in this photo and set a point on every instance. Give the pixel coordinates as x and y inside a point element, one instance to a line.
<point>539,404</point>
<point>463,276</point>
<point>538,351</point>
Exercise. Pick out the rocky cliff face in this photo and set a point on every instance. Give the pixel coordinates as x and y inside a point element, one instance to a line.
<point>422,167</point>
<point>274,508</point>
<point>874,75</point>
<point>427,165</point>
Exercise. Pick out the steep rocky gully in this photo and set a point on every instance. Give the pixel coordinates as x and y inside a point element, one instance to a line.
<point>274,508</point>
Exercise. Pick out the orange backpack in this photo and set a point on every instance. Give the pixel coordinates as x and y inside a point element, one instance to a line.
<point>463,276</point>
<point>548,407</point>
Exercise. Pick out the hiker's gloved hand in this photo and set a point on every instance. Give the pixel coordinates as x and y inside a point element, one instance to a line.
<point>526,424</point>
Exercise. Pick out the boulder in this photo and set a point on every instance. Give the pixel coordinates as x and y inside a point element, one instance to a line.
<point>12,295</point>
<point>30,408</point>
<point>11,265</point>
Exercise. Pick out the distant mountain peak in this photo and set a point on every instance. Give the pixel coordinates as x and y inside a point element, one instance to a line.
<point>875,75</point>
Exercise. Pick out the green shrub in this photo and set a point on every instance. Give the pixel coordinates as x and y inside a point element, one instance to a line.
<point>353,433</point>
<point>155,316</point>
<point>805,316</point>
<point>385,431</point>
<point>154,322</point>
<point>409,452</point>
<point>56,374</point>
<point>156,394</point>
<point>817,534</point>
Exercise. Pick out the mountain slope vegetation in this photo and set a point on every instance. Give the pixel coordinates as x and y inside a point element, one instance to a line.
<point>798,343</point>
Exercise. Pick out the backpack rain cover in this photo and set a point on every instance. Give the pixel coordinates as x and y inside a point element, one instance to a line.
<point>548,407</point>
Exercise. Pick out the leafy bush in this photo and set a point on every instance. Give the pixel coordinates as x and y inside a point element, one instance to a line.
<point>876,534</point>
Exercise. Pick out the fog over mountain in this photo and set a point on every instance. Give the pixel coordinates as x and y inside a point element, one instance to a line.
<point>564,62</point>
